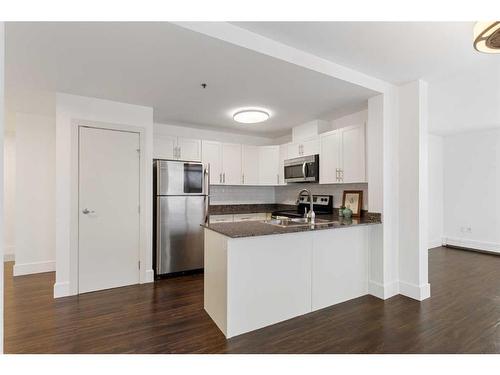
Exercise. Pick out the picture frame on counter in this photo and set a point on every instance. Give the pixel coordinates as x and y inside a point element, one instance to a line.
<point>353,199</point>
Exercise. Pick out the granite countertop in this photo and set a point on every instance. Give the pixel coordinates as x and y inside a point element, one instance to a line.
<point>259,228</point>
<point>227,209</point>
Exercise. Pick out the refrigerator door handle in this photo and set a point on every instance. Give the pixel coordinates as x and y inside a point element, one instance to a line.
<point>158,237</point>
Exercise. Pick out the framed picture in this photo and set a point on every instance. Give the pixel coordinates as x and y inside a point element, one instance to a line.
<point>353,199</point>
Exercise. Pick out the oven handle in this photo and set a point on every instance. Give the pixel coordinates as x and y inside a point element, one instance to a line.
<point>304,169</point>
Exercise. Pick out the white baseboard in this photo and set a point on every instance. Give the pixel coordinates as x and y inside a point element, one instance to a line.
<point>149,277</point>
<point>383,291</point>
<point>435,243</point>
<point>61,289</point>
<point>472,244</point>
<point>418,292</point>
<point>35,267</point>
<point>9,257</point>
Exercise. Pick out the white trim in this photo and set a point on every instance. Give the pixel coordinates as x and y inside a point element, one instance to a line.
<point>35,267</point>
<point>418,292</point>
<point>382,291</point>
<point>149,277</point>
<point>9,257</point>
<point>472,244</point>
<point>435,243</point>
<point>61,289</point>
<point>244,38</point>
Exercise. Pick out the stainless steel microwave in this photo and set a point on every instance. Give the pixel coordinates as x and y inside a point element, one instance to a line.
<point>303,169</point>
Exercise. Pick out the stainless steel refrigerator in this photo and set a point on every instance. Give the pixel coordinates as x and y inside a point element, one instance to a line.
<point>181,203</point>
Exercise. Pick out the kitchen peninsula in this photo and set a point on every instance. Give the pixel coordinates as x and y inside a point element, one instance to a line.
<point>259,273</point>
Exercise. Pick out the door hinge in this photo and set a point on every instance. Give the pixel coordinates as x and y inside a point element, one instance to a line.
<point>139,264</point>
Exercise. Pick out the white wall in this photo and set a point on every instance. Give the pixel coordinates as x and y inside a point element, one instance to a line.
<point>9,192</point>
<point>71,110</point>
<point>472,190</point>
<point>355,118</point>
<point>2,117</point>
<point>413,187</point>
<point>35,194</point>
<point>436,192</point>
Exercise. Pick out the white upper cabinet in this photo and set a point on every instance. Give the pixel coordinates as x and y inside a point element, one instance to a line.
<point>231,164</point>
<point>353,154</point>
<point>250,165</point>
<point>176,148</point>
<point>211,154</point>
<point>303,148</point>
<point>269,163</point>
<point>342,155</point>
<point>164,146</point>
<point>189,149</point>
<point>283,156</point>
<point>329,159</point>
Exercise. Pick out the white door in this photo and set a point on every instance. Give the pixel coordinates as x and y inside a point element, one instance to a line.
<point>163,146</point>
<point>231,163</point>
<point>329,160</point>
<point>211,153</point>
<point>353,154</point>
<point>250,165</point>
<point>269,165</point>
<point>189,149</point>
<point>108,240</point>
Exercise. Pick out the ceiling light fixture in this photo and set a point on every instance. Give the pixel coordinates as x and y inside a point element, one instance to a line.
<point>251,116</point>
<point>487,36</point>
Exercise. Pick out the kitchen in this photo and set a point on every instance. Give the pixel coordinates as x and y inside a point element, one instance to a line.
<point>318,158</point>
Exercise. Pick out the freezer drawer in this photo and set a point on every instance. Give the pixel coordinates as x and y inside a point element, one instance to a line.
<point>179,239</point>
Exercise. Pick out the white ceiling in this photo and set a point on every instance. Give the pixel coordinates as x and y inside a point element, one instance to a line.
<point>162,65</point>
<point>396,52</point>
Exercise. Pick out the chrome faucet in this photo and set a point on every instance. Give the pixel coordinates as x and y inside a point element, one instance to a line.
<point>310,215</point>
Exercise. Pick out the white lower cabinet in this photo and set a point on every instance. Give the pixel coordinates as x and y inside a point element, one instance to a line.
<point>228,218</point>
<point>250,217</point>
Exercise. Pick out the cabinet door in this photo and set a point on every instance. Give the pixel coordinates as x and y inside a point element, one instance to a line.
<point>250,165</point>
<point>163,146</point>
<point>283,157</point>
<point>221,218</point>
<point>310,147</point>
<point>189,149</point>
<point>294,150</point>
<point>329,159</point>
<point>211,153</point>
<point>231,164</point>
<point>353,154</point>
<point>269,165</point>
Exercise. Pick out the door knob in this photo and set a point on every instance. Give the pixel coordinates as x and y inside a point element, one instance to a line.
<point>86,211</point>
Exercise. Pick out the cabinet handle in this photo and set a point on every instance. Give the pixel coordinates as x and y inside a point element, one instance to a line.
<point>243,178</point>
<point>224,178</point>
<point>220,178</point>
<point>278,178</point>
<point>337,175</point>
<point>178,152</point>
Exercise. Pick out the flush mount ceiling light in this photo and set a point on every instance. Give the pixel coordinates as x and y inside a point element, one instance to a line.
<point>251,116</point>
<point>487,36</point>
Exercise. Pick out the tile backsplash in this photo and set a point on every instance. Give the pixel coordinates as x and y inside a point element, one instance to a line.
<point>286,194</point>
<point>241,194</point>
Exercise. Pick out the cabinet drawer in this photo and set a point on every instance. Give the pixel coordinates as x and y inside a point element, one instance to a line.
<point>221,218</point>
<point>250,217</point>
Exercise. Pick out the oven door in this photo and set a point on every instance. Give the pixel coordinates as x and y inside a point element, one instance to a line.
<point>304,169</point>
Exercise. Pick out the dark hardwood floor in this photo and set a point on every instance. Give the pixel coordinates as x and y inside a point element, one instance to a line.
<point>462,316</point>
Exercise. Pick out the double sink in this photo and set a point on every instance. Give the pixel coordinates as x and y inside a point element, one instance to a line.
<point>287,222</point>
